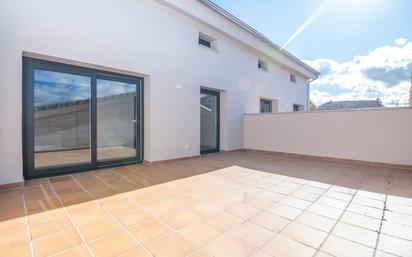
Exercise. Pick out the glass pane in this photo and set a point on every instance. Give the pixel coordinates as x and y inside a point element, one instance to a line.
<point>116,120</point>
<point>265,106</point>
<point>208,122</point>
<point>61,118</point>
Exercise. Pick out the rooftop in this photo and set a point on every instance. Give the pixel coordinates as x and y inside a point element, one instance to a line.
<point>241,203</point>
<point>355,104</point>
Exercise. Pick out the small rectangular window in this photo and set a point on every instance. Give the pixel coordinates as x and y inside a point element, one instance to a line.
<point>207,41</point>
<point>204,42</point>
<point>265,106</point>
<point>298,107</point>
<point>263,65</point>
<point>293,78</point>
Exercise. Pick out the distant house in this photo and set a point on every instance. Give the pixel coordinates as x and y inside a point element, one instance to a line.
<point>344,105</point>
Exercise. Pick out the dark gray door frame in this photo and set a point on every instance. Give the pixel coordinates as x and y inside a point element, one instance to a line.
<point>29,65</point>
<point>217,94</point>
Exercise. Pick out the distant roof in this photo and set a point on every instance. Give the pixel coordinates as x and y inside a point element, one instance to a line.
<point>256,33</point>
<point>359,104</point>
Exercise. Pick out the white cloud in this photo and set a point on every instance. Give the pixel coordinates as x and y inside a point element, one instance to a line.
<point>384,72</point>
<point>401,41</point>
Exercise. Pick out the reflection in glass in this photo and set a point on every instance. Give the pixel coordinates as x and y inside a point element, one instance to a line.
<point>208,121</point>
<point>61,118</point>
<point>116,120</point>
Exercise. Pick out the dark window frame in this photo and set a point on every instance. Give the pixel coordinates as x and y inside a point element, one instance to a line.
<point>298,107</point>
<point>267,102</point>
<point>29,65</point>
<point>262,65</point>
<point>205,43</point>
<point>217,94</point>
<point>292,78</point>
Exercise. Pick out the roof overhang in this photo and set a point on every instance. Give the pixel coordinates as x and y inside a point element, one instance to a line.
<point>257,34</point>
<point>213,16</point>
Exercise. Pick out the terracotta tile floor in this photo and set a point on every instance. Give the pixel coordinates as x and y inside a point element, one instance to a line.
<point>234,204</point>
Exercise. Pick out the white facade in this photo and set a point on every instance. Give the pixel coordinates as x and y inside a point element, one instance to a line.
<point>159,41</point>
<point>372,135</point>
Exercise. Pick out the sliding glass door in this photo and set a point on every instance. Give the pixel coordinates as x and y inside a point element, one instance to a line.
<point>79,119</point>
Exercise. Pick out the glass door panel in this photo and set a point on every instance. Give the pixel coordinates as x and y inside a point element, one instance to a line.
<point>77,119</point>
<point>209,121</point>
<point>61,119</point>
<point>116,119</point>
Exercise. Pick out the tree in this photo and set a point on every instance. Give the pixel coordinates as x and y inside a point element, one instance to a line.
<point>313,107</point>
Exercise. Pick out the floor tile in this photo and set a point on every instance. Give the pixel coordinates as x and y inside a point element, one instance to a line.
<point>57,242</point>
<point>78,251</point>
<point>89,216</point>
<point>325,211</point>
<point>17,250</point>
<point>51,226</point>
<point>229,246</point>
<point>242,210</point>
<point>344,248</point>
<point>113,244</point>
<point>172,245</point>
<point>223,221</point>
<point>397,230</point>
<point>159,207</point>
<point>179,218</point>
<point>365,210</point>
<point>150,230</point>
<point>296,202</point>
<point>120,206</point>
<point>252,234</point>
<point>395,245</point>
<point>100,228</point>
<point>260,253</point>
<point>304,234</point>
<point>285,247</point>
<point>316,221</point>
<point>322,254</point>
<point>333,202</point>
<point>270,221</point>
<point>199,233</point>
<point>285,211</point>
<point>361,221</point>
<point>356,234</point>
<point>204,209</point>
<point>133,217</point>
<point>13,236</point>
<point>301,194</point>
<point>137,252</point>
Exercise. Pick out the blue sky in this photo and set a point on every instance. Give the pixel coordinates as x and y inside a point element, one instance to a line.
<point>349,35</point>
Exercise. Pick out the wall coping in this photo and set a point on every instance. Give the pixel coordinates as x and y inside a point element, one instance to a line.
<point>333,111</point>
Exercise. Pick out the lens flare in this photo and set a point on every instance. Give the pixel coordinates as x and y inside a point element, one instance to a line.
<point>312,18</point>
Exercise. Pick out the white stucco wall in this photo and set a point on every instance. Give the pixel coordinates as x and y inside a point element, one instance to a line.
<point>156,41</point>
<point>380,135</point>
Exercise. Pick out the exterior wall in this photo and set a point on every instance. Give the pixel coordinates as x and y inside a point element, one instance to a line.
<point>150,39</point>
<point>366,135</point>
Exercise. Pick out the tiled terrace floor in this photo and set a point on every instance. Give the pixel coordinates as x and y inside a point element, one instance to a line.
<point>233,204</point>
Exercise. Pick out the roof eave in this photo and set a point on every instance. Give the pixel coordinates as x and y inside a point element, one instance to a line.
<point>257,34</point>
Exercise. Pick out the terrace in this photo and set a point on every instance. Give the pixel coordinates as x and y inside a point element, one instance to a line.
<point>241,203</point>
